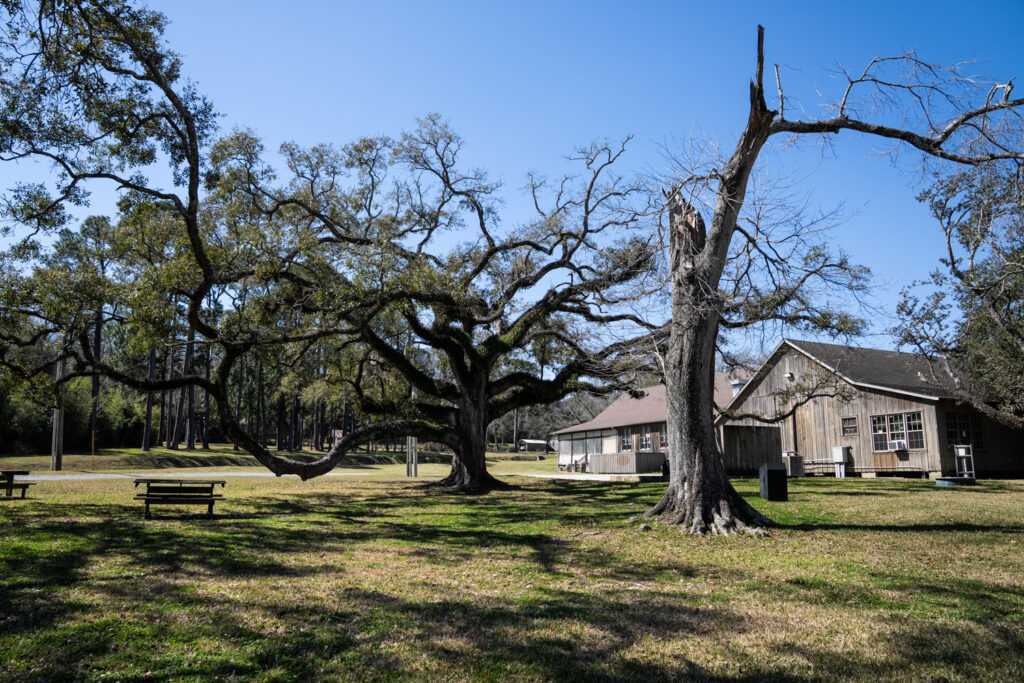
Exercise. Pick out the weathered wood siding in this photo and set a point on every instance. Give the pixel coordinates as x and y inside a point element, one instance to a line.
<point>746,448</point>
<point>626,463</point>
<point>1000,451</point>
<point>816,426</point>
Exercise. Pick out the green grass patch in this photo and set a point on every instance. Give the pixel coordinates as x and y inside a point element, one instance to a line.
<point>379,578</point>
<point>225,456</point>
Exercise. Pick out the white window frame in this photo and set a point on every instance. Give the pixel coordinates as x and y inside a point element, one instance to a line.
<point>889,419</point>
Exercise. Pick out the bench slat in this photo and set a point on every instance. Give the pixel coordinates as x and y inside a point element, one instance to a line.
<point>183,490</point>
<point>182,499</point>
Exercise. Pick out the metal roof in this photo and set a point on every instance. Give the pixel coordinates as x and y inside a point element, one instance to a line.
<point>651,407</point>
<point>906,373</point>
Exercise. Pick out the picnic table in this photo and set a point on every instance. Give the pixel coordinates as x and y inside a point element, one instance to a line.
<point>8,484</point>
<point>179,492</point>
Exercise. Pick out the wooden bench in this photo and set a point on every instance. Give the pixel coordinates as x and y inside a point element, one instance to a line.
<point>8,484</point>
<point>179,492</point>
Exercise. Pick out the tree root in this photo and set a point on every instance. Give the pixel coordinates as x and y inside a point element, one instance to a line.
<point>731,515</point>
<point>456,483</point>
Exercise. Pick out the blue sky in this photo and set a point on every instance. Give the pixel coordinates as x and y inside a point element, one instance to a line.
<point>525,82</point>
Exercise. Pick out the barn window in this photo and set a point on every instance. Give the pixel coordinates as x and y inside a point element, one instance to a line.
<point>915,430</point>
<point>907,427</point>
<point>645,438</point>
<point>964,428</point>
<point>849,426</point>
<point>626,439</point>
<point>879,434</point>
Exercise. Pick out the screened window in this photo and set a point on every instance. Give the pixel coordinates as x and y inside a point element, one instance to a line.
<point>626,439</point>
<point>663,432</point>
<point>879,434</point>
<point>907,427</point>
<point>849,426</point>
<point>645,438</point>
<point>915,430</point>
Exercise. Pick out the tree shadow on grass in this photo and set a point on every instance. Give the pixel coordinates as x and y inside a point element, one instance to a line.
<point>168,604</point>
<point>372,635</point>
<point>250,544</point>
<point>927,650</point>
<point>150,572</point>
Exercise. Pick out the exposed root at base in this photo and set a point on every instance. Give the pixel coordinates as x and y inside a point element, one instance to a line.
<point>717,527</point>
<point>731,515</point>
<point>454,484</point>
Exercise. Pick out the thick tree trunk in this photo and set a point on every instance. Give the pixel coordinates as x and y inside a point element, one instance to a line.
<point>469,463</point>
<point>699,497</point>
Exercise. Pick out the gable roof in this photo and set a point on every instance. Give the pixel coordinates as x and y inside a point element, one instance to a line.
<point>896,371</point>
<point>626,410</point>
<point>651,407</point>
<point>878,369</point>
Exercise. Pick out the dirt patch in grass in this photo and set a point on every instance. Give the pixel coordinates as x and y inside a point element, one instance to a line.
<point>369,580</point>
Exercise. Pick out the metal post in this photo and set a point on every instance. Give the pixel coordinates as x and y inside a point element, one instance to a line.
<point>411,457</point>
<point>57,439</point>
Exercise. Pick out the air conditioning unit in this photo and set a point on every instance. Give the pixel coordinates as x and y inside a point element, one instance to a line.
<point>897,446</point>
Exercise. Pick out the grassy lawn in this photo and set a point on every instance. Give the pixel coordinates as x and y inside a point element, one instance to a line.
<point>358,578</point>
<point>223,457</point>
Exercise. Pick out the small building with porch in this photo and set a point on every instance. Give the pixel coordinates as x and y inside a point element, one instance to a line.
<point>526,445</point>
<point>630,436</point>
<point>878,410</point>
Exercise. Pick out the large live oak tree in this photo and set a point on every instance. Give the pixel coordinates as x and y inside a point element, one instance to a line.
<point>363,249</point>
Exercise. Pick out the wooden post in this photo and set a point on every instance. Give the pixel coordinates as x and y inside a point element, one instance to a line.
<point>57,440</point>
<point>411,457</point>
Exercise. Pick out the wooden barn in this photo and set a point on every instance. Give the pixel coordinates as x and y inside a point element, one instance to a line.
<point>880,410</point>
<point>629,436</point>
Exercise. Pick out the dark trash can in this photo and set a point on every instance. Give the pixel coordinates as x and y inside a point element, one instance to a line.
<point>773,481</point>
